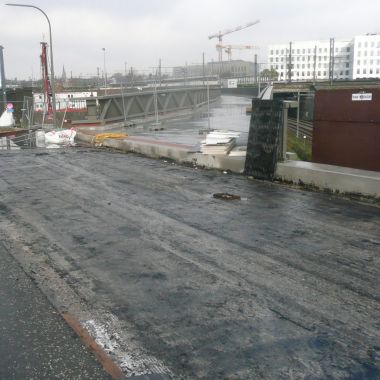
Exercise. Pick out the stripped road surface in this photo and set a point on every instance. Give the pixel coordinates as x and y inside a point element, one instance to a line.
<point>281,284</point>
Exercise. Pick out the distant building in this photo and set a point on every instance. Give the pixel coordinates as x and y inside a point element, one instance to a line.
<point>234,68</point>
<point>366,56</point>
<point>344,59</point>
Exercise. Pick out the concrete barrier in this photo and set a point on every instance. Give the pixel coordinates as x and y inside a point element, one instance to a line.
<point>330,177</point>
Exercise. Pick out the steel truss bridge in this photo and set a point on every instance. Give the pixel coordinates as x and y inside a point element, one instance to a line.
<point>141,104</point>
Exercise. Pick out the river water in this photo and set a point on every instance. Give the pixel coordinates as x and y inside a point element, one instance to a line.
<point>227,113</point>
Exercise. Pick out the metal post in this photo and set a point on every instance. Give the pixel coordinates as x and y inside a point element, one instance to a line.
<point>2,77</point>
<point>284,130</point>
<point>331,68</point>
<point>255,69</point>
<point>259,80</point>
<point>104,69</point>
<point>52,80</point>
<point>315,64</point>
<point>290,63</point>
<point>298,113</point>
<point>203,68</point>
<point>208,106</point>
<point>159,72</point>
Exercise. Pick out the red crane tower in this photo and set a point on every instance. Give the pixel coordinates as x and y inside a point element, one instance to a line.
<point>46,81</point>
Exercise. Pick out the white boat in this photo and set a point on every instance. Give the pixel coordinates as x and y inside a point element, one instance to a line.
<point>62,137</point>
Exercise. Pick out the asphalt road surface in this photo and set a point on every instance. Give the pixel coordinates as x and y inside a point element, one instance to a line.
<point>282,284</point>
<point>35,341</point>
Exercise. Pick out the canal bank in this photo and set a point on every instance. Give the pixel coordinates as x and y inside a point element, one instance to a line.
<point>346,181</point>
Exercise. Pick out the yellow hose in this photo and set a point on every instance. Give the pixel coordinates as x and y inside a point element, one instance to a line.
<point>99,138</point>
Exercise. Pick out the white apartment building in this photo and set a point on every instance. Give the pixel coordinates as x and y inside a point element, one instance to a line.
<point>312,60</point>
<point>367,56</point>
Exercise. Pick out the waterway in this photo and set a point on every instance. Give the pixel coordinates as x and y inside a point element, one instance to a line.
<point>227,113</point>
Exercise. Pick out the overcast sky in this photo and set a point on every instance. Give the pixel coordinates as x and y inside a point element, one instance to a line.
<point>138,32</point>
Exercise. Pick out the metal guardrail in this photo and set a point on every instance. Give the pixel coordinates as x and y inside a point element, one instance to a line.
<point>305,128</point>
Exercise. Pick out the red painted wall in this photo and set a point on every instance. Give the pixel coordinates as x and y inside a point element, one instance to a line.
<point>347,132</point>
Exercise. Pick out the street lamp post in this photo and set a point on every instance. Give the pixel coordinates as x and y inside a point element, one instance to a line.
<point>51,55</point>
<point>104,69</point>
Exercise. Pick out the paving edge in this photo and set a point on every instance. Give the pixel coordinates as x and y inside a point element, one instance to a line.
<point>108,364</point>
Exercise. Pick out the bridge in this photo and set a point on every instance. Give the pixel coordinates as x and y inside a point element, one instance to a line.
<point>127,106</point>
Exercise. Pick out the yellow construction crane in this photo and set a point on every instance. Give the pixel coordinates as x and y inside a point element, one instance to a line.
<point>220,35</point>
<point>228,48</point>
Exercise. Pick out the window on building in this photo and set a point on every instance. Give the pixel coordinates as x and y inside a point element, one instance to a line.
<point>358,62</point>
<point>377,71</point>
<point>325,50</point>
<point>371,53</point>
<point>373,44</point>
<point>366,44</point>
<point>309,51</point>
<point>276,59</point>
<point>270,59</point>
<point>364,71</point>
<point>371,62</point>
<point>303,51</point>
<point>303,73</point>
<point>347,64</point>
<point>276,52</point>
<point>348,49</point>
<point>365,53</point>
<point>347,72</point>
<point>378,62</point>
<point>324,73</point>
<point>359,53</point>
<point>364,62</point>
<point>358,71</point>
<point>371,71</point>
<point>341,73</point>
<point>320,50</point>
<point>308,73</point>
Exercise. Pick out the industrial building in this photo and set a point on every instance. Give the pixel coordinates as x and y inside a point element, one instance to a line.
<point>233,68</point>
